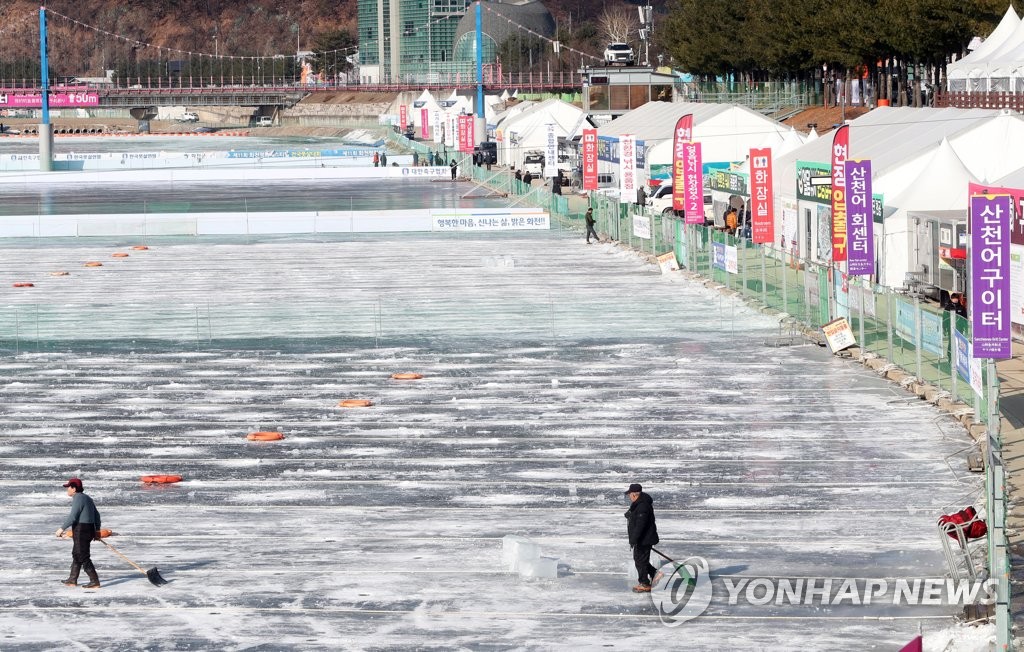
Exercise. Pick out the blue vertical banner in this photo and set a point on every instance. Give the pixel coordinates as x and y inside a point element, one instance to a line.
<point>990,224</point>
<point>859,225</point>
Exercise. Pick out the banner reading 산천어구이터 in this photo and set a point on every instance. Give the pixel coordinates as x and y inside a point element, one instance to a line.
<point>990,275</point>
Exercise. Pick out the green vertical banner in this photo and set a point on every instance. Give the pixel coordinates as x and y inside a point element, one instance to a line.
<point>823,314</point>
<point>680,247</point>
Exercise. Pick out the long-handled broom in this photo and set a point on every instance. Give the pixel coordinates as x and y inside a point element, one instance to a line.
<point>153,575</point>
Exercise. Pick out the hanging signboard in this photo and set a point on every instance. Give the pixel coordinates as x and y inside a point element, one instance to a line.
<point>627,168</point>
<point>762,201</point>
<point>590,159</point>
<point>859,225</point>
<point>693,180</point>
<point>990,222</point>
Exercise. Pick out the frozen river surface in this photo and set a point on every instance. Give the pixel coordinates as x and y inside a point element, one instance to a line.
<point>554,374</point>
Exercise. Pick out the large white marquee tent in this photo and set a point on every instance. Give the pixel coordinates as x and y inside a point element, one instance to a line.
<point>997,64</point>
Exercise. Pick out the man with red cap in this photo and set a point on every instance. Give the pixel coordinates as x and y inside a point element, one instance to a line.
<point>84,521</point>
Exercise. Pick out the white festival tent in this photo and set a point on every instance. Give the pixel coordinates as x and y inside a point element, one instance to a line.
<point>996,58</point>
<point>906,149</point>
<point>527,131</point>
<point>726,132</point>
<point>940,186</point>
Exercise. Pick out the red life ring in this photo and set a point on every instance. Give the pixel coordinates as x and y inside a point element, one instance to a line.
<point>264,436</point>
<point>355,403</point>
<point>161,479</point>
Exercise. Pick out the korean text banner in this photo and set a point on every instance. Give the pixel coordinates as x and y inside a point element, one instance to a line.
<point>627,168</point>
<point>762,199</point>
<point>550,150</point>
<point>683,134</point>
<point>859,224</point>
<point>424,123</point>
<point>990,275</point>
<point>438,131</point>
<point>590,159</point>
<point>693,180</point>
<point>403,117</point>
<point>839,154</point>
<point>57,100</point>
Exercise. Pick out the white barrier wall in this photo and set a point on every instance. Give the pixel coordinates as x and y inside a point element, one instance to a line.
<point>156,224</point>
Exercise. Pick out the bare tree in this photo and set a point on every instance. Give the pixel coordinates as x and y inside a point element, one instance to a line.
<point>617,24</point>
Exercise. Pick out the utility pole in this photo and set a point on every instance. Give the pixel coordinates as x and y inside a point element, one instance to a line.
<point>646,27</point>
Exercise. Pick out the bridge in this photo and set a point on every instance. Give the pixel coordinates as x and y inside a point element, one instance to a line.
<point>163,92</point>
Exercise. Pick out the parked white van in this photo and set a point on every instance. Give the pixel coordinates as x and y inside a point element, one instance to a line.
<point>661,200</point>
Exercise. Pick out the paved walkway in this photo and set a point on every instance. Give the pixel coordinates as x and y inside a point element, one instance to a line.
<point>1011,405</point>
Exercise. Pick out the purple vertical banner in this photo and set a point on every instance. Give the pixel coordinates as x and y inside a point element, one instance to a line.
<point>860,237</point>
<point>991,217</point>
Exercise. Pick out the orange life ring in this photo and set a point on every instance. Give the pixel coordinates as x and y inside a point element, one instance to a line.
<point>60,273</point>
<point>24,285</point>
<point>140,248</point>
<point>119,254</point>
<point>161,479</point>
<point>407,376</point>
<point>355,403</point>
<point>94,263</point>
<point>264,436</point>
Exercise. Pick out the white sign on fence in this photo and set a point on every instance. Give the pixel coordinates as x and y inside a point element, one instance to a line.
<point>642,227</point>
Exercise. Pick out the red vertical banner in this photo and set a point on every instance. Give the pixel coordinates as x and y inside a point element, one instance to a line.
<point>424,123</point>
<point>840,152</point>
<point>693,178</point>
<point>683,134</point>
<point>762,200</point>
<point>590,159</point>
<point>466,134</point>
<point>403,117</point>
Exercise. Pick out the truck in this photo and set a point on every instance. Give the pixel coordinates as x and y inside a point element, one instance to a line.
<point>533,162</point>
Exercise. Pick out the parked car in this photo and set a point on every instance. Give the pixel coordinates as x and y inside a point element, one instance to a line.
<point>265,121</point>
<point>660,201</point>
<point>189,116</point>
<point>619,53</point>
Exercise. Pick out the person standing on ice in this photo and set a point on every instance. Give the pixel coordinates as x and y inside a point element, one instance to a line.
<point>589,219</point>
<point>643,535</point>
<point>84,521</point>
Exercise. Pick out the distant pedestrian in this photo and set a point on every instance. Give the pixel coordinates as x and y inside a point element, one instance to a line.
<point>415,159</point>
<point>589,219</point>
<point>528,178</point>
<point>383,159</point>
<point>430,159</point>
<point>556,184</point>
<point>84,521</point>
<point>643,535</point>
<point>455,169</point>
<point>376,159</point>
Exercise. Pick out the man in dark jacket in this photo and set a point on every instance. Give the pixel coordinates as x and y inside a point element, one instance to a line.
<point>643,535</point>
<point>84,521</point>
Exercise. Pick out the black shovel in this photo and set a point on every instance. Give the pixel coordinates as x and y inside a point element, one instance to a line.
<point>153,575</point>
